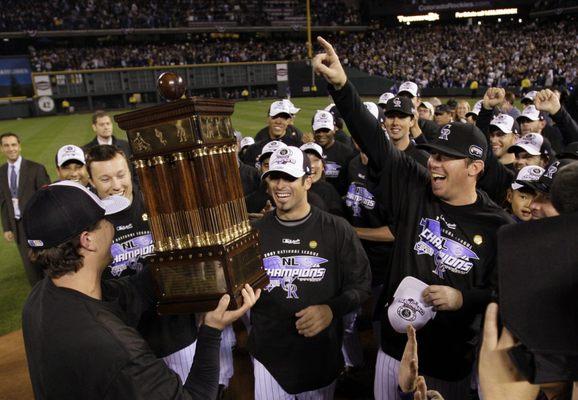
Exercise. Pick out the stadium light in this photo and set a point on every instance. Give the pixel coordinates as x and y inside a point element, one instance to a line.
<point>486,13</point>
<point>418,18</point>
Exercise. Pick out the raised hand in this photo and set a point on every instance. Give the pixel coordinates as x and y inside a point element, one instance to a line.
<point>547,100</point>
<point>328,65</point>
<point>408,369</point>
<point>493,97</point>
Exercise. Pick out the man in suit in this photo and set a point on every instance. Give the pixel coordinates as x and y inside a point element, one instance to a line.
<point>19,179</point>
<point>102,127</point>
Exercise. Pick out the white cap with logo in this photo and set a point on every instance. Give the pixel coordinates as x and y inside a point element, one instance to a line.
<point>532,113</point>
<point>289,160</point>
<point>531,143</point>
<point>323,120</point>
<point>503,122</point>
<point>384,98</point>
<point>294,110</point>
<point>247,141</point>
<point>68,153</point>
<point>314,148</point>
<point>407,307</point>
<point>531,173</point>
<point>409,87</point>
<point>280,107</point>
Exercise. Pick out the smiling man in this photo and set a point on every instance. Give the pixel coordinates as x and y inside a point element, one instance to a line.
<point>445,234</point>
<point>318,273</point>
<point>71,164</point>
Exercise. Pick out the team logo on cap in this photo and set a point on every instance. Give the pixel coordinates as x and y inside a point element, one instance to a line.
<point>476,151</point>
<point>409,309</point>
<point>35,243</point>
<point>445,132</point>
<point>397,102</point>
<point>552,170</point>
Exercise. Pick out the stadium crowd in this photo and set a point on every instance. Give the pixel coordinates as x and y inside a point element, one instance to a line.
<point>439,56</point>
<point>122,14</point>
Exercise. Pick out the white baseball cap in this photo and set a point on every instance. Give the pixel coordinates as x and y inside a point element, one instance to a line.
<point>476,108</point>
<point>429,106</point>
<point>384,98</point>
<point>530,173</point>
<point>532,143</point>
<point>531,112</point>
<point>280,107</point>
<point>323,120</point>
<point>531,95</point>
<point>269,148</point>
<point>314,148</point>
<point>503,122</point>
<point>409,87</point>
<point>247,141</point>
<point>373,109</point>
<point>407,307</point>
<point>289,160</point>
<point>291,106</point>
<point>68,153</point>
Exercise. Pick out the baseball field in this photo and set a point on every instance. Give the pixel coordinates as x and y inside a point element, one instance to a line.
<point>41,138</point>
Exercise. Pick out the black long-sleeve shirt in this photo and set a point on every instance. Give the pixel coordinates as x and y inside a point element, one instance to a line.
<point>79,347</point>
<point>319,261</point>
<point>437,243</point>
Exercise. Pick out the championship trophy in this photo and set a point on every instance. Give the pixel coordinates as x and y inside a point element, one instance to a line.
<point>184,153</point>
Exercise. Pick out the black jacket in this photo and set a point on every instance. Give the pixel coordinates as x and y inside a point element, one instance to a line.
<point>435,242</point>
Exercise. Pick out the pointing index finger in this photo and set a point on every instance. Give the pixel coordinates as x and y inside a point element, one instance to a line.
<point>326,45</point>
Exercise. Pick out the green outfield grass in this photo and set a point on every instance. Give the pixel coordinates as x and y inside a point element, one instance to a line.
<point>41,138</point>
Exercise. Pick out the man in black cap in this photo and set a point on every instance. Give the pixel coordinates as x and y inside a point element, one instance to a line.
<point>541,206</point>
<point>443,114</point>
<point>79,331</point>
<point>399,119</point>
<point>411,91</point>
<point>445,234</point>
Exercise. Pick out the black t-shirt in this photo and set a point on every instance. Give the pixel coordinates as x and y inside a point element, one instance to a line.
<point>79,347</point>
<point>435,242</point>
<point>337,159</point>
<point>132,239</point>
<point>344,138</point>
<point>363,211</point>
<point>319,261</point>
<point>329,195</point>
<point>292,131</point>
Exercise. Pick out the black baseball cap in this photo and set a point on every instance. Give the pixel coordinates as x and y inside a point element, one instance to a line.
<point>461,140</point>
<point>570,151</point>
<point>443,108</point>
<point>399,105</point>
<point>61,211</point>
<point>544,183</point>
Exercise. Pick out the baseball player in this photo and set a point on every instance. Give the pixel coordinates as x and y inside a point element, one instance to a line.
<point>70,164</point>
<point>79,330</point>
<point>318,273</point>
<point>445,234</point>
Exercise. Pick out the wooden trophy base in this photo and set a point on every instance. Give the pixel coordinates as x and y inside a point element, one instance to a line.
<point>194,280</point>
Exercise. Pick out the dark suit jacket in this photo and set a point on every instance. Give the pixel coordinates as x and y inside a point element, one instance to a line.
<point>121,144</point>
<point>32,177</point>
